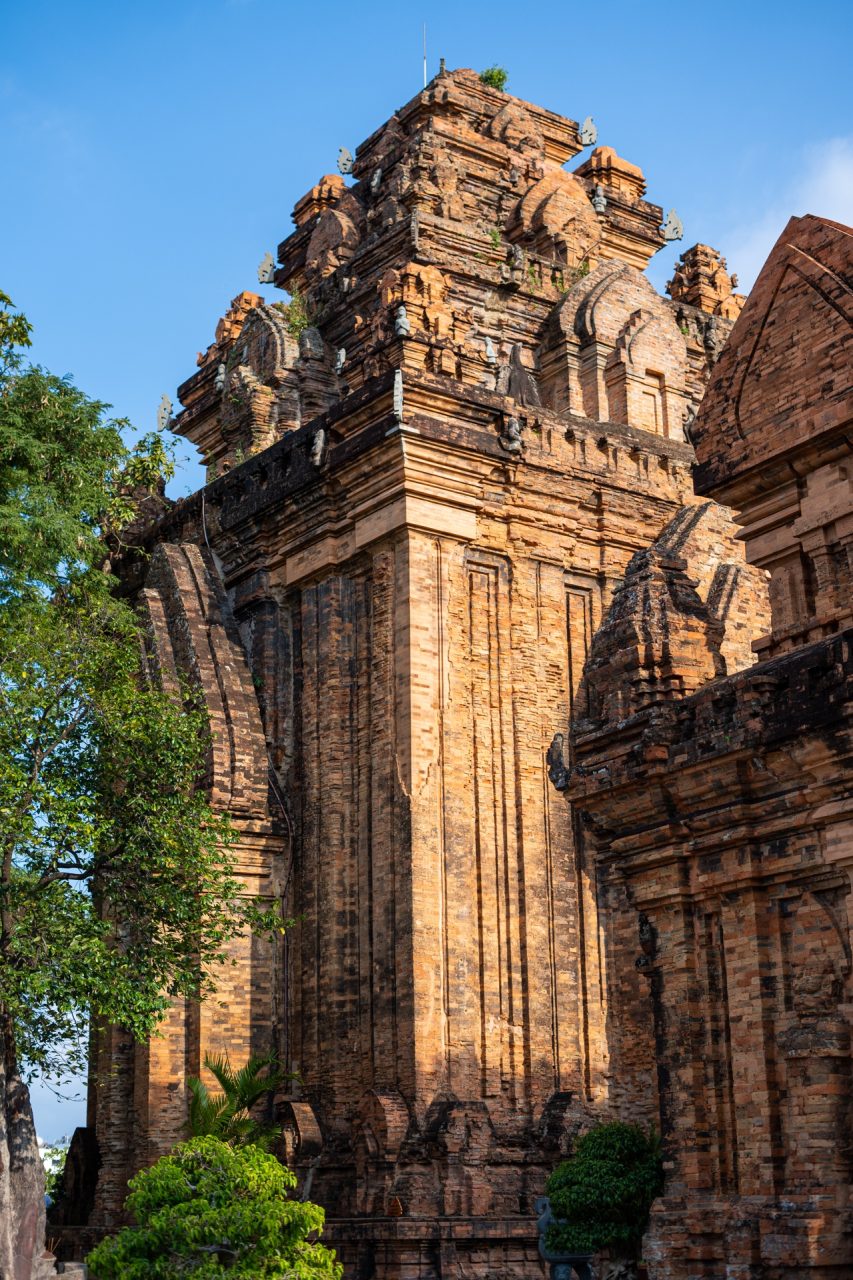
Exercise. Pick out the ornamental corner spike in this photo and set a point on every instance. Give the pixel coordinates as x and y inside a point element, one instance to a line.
<point>164,413</point>
<point>673,228</point>
<point>588,133</point>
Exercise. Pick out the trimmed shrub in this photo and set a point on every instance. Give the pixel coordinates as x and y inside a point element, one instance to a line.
<point>602,1194</point>
<point>209,1210</point>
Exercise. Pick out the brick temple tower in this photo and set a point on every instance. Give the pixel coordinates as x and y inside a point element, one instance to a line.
<point>426,474</point>
<point>716,798</point>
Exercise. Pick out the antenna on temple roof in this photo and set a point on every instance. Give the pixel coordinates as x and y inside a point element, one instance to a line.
<point>425,79</point>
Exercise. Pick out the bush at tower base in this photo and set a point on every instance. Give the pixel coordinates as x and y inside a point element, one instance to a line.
<point>601,1196</point>
<point>209,1210</point>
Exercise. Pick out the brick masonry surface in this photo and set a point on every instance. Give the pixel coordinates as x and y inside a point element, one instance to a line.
<point>448,555</point>
<point>718,807</point>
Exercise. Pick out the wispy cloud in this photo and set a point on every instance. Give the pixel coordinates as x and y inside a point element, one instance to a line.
<point>822,183</point>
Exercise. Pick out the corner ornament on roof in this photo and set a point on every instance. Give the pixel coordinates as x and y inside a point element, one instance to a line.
<point>164,412</point>
<point>266,270</point>
<point>673,228</point>
<point>588,132</point>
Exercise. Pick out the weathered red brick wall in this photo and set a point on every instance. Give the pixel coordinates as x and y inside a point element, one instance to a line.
<point>427,477</point>
<point>138,1099</point>
<point>717,802</point>
<point>772,437</point>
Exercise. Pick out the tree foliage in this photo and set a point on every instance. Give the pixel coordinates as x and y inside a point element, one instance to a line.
<point>228,1114</point>
<point>67,479</point>
<point>601,1196</point>
<point>53,1156</point>
<point>210,1210</point>
<point>116,884</point>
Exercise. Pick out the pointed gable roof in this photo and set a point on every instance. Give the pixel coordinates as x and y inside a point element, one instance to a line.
<point>784,381</point>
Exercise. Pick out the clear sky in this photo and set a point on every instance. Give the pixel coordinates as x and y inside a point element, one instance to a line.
<point>150,154</point>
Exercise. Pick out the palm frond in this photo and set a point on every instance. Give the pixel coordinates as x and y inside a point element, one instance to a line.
<point>250,1085</point>
<point>227,1114</point>
<point>219,1066</point>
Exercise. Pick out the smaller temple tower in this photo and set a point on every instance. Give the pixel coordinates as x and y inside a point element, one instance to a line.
<point>716,797</point>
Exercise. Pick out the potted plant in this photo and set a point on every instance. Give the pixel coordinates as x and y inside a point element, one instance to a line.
<point>600,1199</point>
<point>561,1262</point>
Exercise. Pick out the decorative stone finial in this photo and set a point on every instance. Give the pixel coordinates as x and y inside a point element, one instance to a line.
<point>266,269</point>
<point>164,413</point>
<point>673,228</point>
<point>311,344</point>
<point>510,437</point>
<point>588,132</point>
<point>398,395</point>
<point>522,384</point>
<point>318,447</point>
<point>689,419</point>
<point>557,771</point>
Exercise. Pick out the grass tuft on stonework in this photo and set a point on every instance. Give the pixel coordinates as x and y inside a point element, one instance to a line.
<point>495,77</point>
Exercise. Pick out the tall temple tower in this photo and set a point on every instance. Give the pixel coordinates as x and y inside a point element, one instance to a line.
<point>426,474</point>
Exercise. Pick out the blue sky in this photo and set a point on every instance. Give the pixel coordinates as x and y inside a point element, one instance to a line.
<point>150,154</point>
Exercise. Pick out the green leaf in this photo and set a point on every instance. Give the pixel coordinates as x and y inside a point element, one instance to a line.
<point>228,1115</point>
<point>117,885</point>
<point>601,1196</point>
<point>209,1210</point>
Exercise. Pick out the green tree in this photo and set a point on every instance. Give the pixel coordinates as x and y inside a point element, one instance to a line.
<point>68,482</point>
<point>116,880</point>
<point>209,1210</point>
<point>228,1114</point>
<point>53,1159</point>
<point>601,1196</point>
<point>495,77</point>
